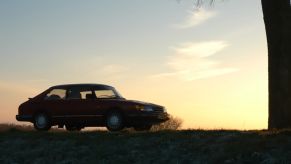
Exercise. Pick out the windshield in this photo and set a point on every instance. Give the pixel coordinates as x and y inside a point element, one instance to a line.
<point>117,93</point>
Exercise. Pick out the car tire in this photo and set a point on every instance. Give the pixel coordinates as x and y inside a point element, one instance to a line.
<point>143,128</point>
<point>114,121</point>
<point>42,122</point>
<point>73,128</point>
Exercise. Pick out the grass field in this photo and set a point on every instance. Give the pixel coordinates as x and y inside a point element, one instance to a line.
<point>21,144</point>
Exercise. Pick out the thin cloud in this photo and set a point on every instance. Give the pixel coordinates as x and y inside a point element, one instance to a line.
<point>114,69</point>
<point>196,18</point>
<point>191,61</point>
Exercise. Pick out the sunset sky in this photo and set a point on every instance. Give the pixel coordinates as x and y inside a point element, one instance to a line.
<point>207,66</point>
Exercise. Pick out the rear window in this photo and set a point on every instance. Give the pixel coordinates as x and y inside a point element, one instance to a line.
<point>56,94</point>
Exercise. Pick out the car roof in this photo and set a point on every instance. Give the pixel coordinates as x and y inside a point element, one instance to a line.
<point>81,85</point>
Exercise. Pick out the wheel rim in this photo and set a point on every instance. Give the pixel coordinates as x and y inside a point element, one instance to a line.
<point>41,121</point>
<point>114,121</point>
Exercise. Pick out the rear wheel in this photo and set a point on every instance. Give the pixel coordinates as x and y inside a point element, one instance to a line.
<point>42,122</point>
<point>114,121</point>
<point>143,128</point>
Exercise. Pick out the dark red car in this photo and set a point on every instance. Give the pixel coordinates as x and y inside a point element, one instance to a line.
<point>76,106</point>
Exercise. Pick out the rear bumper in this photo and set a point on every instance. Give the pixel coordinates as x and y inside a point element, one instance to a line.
<point>24,117</point>
<point>147,118</point>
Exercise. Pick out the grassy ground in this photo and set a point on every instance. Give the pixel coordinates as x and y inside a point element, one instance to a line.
<point>23,145</point>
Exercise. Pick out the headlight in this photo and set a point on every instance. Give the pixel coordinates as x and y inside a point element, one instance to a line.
<point>145,108</point>
<point>165,110</point>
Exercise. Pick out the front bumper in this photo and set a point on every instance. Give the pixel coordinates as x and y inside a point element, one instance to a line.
<point>24,117</point>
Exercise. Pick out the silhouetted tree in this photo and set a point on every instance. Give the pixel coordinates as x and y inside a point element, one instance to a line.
<point>277,17</point>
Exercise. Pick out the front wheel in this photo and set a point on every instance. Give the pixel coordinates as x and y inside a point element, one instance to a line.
<point>114,121</point>
<point>42,122</point>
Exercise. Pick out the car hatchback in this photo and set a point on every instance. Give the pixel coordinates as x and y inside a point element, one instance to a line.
<point>76,106</point>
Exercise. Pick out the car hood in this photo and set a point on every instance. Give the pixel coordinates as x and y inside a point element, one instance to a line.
<point>144,103</point>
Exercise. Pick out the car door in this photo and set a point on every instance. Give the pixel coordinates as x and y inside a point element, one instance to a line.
<point>82,104</point>
<point>55,103</point>
<point>105,100</point>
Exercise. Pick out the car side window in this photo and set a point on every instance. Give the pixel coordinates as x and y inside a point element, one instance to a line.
<point>87,95</point>
<point>105,94</point>
<point>56,94</point>
<point>80,93</point>
<point>74,93</point>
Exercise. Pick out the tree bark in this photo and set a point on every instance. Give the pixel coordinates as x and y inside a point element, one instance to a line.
<point>277,17</point>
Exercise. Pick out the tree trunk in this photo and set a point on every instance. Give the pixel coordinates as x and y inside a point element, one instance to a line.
<point>277,17</point>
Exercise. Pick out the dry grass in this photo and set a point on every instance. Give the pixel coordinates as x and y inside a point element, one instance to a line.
<point>181,146</point>
<point>14,127</point>
<point>20,127</point>
<point>174,123</point>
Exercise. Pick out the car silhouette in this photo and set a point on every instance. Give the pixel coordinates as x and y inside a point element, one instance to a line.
<point>77,106</point>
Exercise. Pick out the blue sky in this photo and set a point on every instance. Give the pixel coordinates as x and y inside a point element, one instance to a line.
<point>147,49</point>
